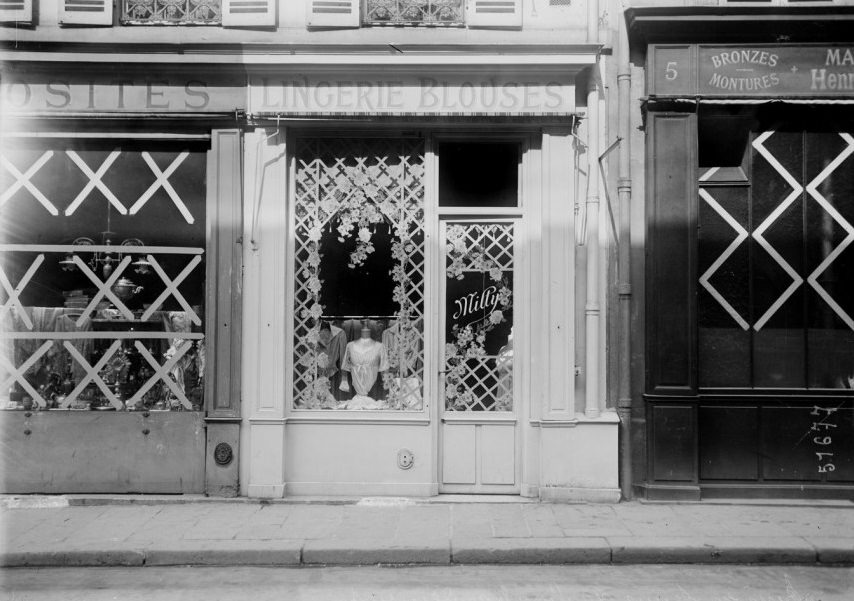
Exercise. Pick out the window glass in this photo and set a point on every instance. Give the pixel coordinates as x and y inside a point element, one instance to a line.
<point>479,174</point>
<point>724,292</point>
<point>829,261</point>
<point>103,280</point>
<point>775,305</point>
<point>478,350</point>
<point>359,265</point>
<point>777,259</point>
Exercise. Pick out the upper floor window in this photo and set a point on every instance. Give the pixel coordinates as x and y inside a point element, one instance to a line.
<point>414,12</point>
<point>175,12</point>
<point>469,13</point>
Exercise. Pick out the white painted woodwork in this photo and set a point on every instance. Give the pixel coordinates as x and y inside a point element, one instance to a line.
<point>20,11</point>
<point>494,13</point>
<point>85,12</point>
<point>498,453</point>
<point>593,302</point>
<point>332,13</point>
<point>249,13</point>
<point>264,220</point>
<point>459,454</point>
<point>558,276</point>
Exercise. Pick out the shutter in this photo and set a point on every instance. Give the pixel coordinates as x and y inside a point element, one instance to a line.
<point>20,11</point>
<point>494,13</point>
<point>332,13</point>
<point>249,13</point>
<point>86,12</point>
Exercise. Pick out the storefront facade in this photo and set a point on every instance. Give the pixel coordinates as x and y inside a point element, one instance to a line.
<point>428,271</point>
<point>749,338</point>
<point>318,267</point>
<point>118,276</point>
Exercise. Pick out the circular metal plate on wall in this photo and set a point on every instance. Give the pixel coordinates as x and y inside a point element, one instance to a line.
<point>223,453</point>
<point>405,459</point>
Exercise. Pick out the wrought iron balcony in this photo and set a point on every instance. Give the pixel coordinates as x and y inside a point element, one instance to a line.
<point>171,12</point>
<point>414,12</point>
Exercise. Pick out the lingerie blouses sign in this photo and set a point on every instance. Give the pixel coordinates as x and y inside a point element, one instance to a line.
<point>752,71</point>
<point>410,94</point>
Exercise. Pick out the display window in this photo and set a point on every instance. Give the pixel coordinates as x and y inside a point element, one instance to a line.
<point>359,257</point>
<point>776,226</point>
<point>102,269</point>
<point>359,262</point>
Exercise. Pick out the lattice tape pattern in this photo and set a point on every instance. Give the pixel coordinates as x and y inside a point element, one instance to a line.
<point>390,173</point>
<point>486,386</point>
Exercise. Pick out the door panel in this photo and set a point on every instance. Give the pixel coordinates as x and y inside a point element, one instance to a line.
<point>458,454</point>
<point>497,457</point>
<point>478,427</point>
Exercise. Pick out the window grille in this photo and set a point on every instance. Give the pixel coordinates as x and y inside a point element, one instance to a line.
<point>171,12</point>
<point>414,12</point>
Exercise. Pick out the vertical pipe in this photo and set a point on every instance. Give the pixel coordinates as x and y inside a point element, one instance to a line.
<point>624,286</point>
<point>592,305</point>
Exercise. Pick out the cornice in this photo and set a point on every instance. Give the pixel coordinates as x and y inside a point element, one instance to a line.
<point>772,25</point>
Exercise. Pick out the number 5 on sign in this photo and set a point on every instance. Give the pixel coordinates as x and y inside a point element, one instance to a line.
<point>670,72</point>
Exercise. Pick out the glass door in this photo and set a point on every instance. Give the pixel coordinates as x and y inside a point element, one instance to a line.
<point>479,430</point>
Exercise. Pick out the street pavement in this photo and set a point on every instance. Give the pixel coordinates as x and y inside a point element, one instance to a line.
<point>150,531</point>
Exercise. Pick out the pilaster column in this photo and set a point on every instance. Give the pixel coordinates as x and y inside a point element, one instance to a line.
<point>265,277</point>
<point>592,307</point>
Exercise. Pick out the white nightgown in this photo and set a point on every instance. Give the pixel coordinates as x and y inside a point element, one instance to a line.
<point>364,362</point>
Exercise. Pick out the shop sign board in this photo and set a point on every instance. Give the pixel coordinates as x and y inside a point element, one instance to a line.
<point>24,93</point>
<point>751,71</point>
<point>408,94</point>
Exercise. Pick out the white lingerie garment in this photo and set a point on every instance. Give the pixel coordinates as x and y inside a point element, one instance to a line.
<point>364,360</point>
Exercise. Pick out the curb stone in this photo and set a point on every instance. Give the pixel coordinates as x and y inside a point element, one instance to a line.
<point>277,554</point>
<point>342,552</point>
<point>531,550</point>
<point>72,558</point>
<point>744,550</point>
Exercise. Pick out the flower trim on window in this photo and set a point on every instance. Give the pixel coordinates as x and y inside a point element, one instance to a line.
<point>469,341</point>
<point>360,202</point>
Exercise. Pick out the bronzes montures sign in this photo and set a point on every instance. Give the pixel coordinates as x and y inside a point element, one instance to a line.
<point>410,94</point>
<point>768,71</point>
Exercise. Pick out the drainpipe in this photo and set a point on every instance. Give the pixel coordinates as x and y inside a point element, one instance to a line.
<point>624,285</point>
<point>592,306</point>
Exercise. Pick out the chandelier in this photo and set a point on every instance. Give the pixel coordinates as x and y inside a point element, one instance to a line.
<point>107,259</point>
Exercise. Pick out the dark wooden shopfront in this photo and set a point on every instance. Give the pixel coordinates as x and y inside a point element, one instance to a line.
<point>748,387</point>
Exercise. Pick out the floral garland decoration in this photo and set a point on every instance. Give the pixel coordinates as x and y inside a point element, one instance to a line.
<point>360,201</point>
<point>469,341</point>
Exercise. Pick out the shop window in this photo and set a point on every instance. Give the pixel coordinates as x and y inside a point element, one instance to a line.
<point>479,174</point>
<point>359,274</point>
<point>102,276</point>
<point>775,301</point>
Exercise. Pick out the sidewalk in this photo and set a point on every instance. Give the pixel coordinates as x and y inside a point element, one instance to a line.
<point>136,531</point>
